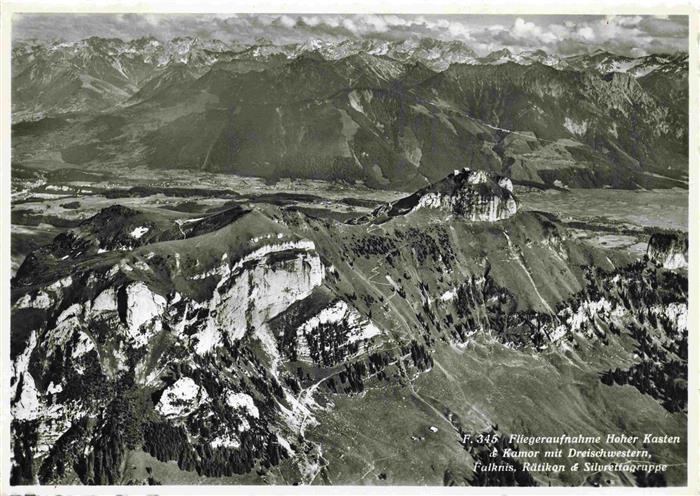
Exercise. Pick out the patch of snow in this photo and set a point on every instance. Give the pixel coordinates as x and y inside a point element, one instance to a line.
<point>676,261</point>
<point>54,389</point>
<point>142,306</point>
<point>449,295</point>
<point>72,311</point>
<point>27,406</point>
<point>285,444</point>
<point>257,239</point>
<point>141,265</point>
<point>225,441</point>
<point>181,398</point>
<point>207,339</point>
<point>244,401</point>
<point>354,99</point>
<point>329,315</point>
<point>138,232</point>
<point>575,128</point>
<point>106,301</point>
<point>586,311</point>
<point>45,298</point>
<point>558,333</point>
<point>678,313</point>
<point>359,328</point>
<point>83,346</point>
<point>176,298</point>
<point>60,284</point>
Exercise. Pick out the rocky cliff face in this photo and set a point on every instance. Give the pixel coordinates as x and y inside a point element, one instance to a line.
<point>467,194</point>
<point>669,249</point>
<point>133,319</point>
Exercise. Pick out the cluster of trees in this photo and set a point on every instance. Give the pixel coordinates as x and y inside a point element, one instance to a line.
<point>424,246</point>
<point>68,451</point>
<point>352,376</point>
<point>96,449</point>
<point>419,355</point>
<point>355,374</point>
<point>373,245</point>
<point>120,429</point>
<point>81,378</point>
<point>104,461</point>
<point>189,444</point>
<point>218,462</point>
<point>104,439</point>
<point>470,296</point>
<point>637,286</point>
<point>92,384</point>
<point>328,343</point>
<point>167,442</point>
<point>377,361</point>
<point>665,381</point>
<point>662,371</point>
<point>25,436</point>
<point>433,245</point>
<point>487,306</point>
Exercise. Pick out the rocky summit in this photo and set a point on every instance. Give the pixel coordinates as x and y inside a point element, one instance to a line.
<point>669,250</point>
<point>468,194</point>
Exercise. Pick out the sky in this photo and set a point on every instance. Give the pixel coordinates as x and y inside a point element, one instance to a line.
<point>557,34</point>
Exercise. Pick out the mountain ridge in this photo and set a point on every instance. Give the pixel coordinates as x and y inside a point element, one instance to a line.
<point>199,53</point>
<point>361,117</point>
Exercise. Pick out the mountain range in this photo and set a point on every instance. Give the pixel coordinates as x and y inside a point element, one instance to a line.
<point>390,114</point>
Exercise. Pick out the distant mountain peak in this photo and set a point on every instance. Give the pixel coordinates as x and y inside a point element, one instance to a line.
<point>473,195</point>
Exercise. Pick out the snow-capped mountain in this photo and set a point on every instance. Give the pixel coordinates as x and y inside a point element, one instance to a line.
<point>365,94</point>
<point>97,73</point>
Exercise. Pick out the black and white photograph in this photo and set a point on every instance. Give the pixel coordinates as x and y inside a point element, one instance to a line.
<point>324,249</point>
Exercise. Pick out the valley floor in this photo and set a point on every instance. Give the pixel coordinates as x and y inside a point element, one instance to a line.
<point>45,203</point>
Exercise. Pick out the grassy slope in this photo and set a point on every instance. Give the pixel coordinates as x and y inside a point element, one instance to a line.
<point>482,385</point>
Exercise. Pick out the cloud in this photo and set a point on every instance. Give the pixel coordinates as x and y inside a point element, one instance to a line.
<point>458,30</point>
<point>625,21</point>
<point>287,22</point>
<point>663,28</point>
<point>586,32</point>
<point>529,30</point>
<point>631,35</point>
